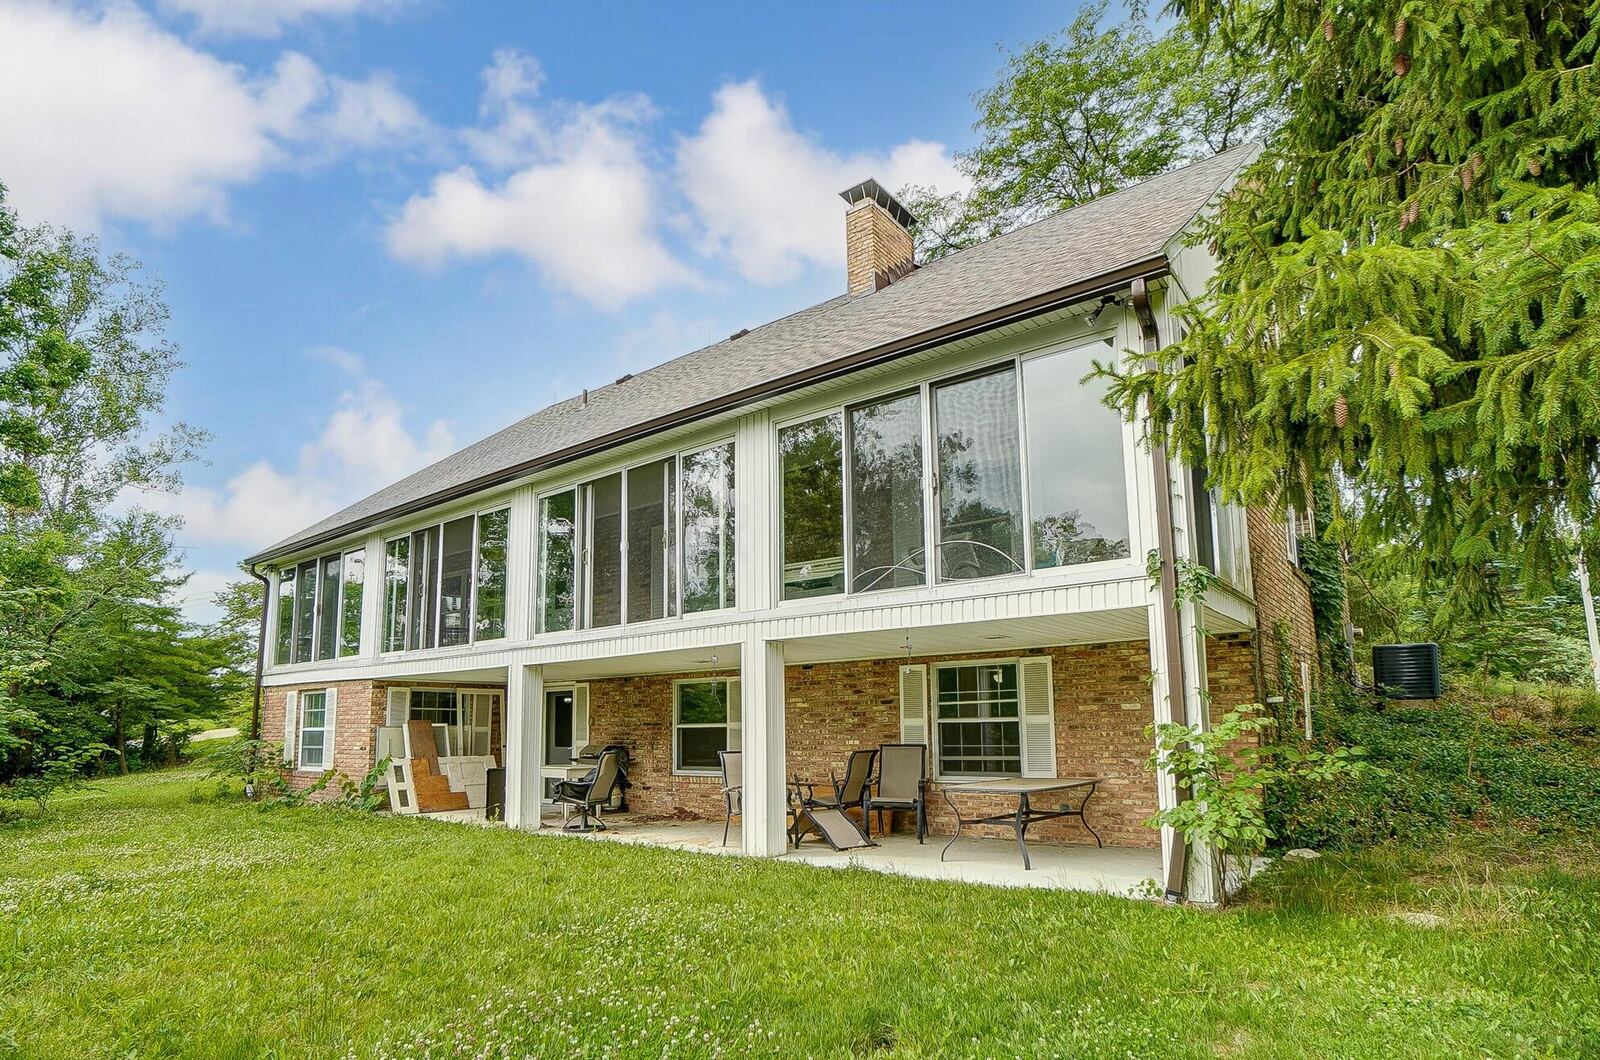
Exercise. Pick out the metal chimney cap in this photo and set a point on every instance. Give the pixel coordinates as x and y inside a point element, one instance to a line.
<point>871,189</point>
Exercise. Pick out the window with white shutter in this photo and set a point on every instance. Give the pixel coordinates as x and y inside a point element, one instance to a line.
<point>397,708</point>
<point>1038,719</point>
<point>313,743</point>
<point>291,725</point>
<point>735,716</point>
<point>977,720</point>
<point>580,717</point>
<point>914,704</point>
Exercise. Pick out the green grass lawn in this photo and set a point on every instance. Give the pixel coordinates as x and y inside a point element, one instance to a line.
<point>145,918</point>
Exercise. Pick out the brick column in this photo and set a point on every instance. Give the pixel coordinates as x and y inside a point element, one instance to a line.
<point>761,690</point>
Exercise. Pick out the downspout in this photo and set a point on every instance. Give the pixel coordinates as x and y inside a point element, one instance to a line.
<point>1167,546</point>
<point>261,657</point>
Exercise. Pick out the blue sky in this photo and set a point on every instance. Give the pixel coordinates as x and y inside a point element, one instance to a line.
<point>389,227</point>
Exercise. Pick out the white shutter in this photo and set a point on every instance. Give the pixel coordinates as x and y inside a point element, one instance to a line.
<point>397,709</point>
<point>1038,718</point>
<point>914,705</point>
<point>735,717</point>
<point>291,725</point>
<point>580,717</point>
<point>330,720</point>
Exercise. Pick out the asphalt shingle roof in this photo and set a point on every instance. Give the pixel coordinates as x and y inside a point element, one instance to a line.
<point>1064,250</point>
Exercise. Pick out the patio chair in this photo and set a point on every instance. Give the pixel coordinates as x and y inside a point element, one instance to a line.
<point>732,788</point>
<point>902,784</point>
<point>852,790</point>
<point>593,791</point>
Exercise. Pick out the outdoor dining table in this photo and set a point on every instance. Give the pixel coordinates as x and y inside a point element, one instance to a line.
<point>1023,789</point>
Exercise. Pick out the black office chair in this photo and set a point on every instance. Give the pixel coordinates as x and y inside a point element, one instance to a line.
<point>593,791</point>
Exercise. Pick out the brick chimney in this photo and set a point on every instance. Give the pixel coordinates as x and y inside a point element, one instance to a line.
<point>877,237</point>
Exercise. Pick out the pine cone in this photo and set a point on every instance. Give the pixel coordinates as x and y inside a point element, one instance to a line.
<point>1327,29</point>
<point>1402,64</point>
<point>1535,167</point>
<point>1466,177</point>
<point>1400,29</point>
<point>1341,412</point>
<point>1400,146</point>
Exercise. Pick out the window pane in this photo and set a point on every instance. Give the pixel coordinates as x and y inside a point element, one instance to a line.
<point>703,703</point>
<point>355,576</point>
<point>455,582</point>
<point>558,527</point>
<point>328,609</point>
<point>650,541</point>
<point>558,749</point>
<point>311,749</point>
<point>979,730</point>
<point>396,571</point>
<point>1202,516</point>
<point>1075,461</point>
<point>424,583</point>
<point>605,551</point>
<point>284,648</point>
<point>886,494</point>
<point>980,477</point>
<point>697,748</point>
<point>489,617</point>
<point>313,710</point>
<point>708,529</point>
<point>305,609</point>
<point>813,507</point>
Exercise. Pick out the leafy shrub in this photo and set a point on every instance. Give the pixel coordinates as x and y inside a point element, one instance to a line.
<point>52,777</point>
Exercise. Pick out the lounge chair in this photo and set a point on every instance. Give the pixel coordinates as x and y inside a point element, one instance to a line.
<point>902,784</point>
<point>593,791</point>
<point>852,790</point>
<point>732,788</point>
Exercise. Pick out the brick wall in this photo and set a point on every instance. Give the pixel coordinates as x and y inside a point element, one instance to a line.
<point>1283,596</point>
<point>874,242</point>
<point>360,707</point>
<point>1103,704</point>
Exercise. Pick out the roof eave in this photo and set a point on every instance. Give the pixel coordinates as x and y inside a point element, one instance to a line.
<point>1048,302</point>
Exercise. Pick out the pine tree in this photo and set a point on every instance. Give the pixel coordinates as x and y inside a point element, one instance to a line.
<point>1409,274</point>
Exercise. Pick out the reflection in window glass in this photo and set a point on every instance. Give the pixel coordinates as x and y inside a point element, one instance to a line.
<point>396,572</point>
<point>305,609</point>
<point>558,529</point>
<point>284,646</point>
<point>980,477</point>
<point>886,494</point>
<point>424,583</point>
<point>328,609</point>
<point>455,582</point>
<point>651,549</point>
<point>980,733</point>
<point>313,730</point>
<point>355,574</point>
<point>489,612</point>
<point>1075,461</point>
<point>708,529</point>
<point>700,720</point>
<point>813,507</point>
<point>604,549</point>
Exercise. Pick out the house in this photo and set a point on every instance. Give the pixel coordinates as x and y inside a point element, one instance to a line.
<point>901,515</point>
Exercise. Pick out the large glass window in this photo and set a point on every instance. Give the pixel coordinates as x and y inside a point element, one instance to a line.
<point>700,718</point>
<point>489,608</point>
<point>652,551</point>
<point>980,476</point>
<point>886,530</point>
<point>328,609</point>
<point>455,582</point>
<point>708,529</point>
<point>424,583</point>
<point>438,706</point>
<point>305,610</point>
<point>396,577</point>
<point>979,729</point>
<point>603,568</point>
<point>313,730</point>
<point>284,644</point>
<point>559,731</point>
<point>355,576</point>
<point>812,455</point>
<point>558,570</point>
<point>1075,461</point>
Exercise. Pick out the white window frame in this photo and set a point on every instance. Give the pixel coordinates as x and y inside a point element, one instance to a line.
<point>437,618</point>
<point>727,725</point>
<point>301,728</point>
<point>318,606</point>
<point>925,384</point>
<point>937,723</point>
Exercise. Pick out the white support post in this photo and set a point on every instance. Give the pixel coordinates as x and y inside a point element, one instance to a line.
<point>524,724</point>
<point>763,743</point>
<point>1589,618</point>
<point>1160,690</point>
<point>372,597</point>
<point>755,504</point>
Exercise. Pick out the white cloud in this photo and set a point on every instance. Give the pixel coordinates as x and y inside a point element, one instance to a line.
<point>579,199</point>
<point>364,445</point>
<point>267,18</point>
<point>351,364</point>
<point>194,598</point>
<point>108,115</point>
<point>766,195</point>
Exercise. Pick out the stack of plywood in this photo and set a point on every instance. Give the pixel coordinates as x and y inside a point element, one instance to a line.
<point>431,787</point>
